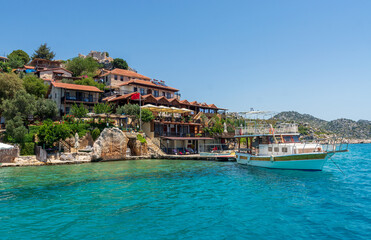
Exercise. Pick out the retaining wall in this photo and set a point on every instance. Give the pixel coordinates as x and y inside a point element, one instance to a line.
<point>8,155</point>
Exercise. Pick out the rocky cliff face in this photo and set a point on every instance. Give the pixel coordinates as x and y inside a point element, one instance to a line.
<point>111,145</point>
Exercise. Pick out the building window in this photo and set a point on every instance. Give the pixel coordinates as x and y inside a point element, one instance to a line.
<point>276,149</point>
<point>121,78</point>
<point>142,91</point>
<point>168,95</point>
<point>269,149</point>
<point>67,110</point>
<point>135,89</point>
<point>155,93</point>
<point>115,77</point>
<point>284,149</point>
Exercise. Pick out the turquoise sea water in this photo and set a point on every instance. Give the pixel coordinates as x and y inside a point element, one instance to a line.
<point>164,199</point>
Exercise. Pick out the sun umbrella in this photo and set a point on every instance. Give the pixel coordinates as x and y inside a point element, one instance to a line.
<point>150,107</point>
<point>186,110</point>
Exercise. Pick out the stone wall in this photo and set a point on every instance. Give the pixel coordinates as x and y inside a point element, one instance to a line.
<point>8,155</point>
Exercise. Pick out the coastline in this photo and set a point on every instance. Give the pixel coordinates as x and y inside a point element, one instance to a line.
<point>26,161</point>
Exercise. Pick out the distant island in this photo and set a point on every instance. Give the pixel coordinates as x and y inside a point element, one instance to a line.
<point>312,127</point>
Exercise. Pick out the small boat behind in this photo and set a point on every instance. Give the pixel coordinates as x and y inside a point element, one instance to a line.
<point>218,151</point>
<point>280,147</point>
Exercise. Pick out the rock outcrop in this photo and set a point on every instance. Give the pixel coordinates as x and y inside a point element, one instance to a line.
<point>83,142</point>
<point>137,148</point>
<point>111,145</point>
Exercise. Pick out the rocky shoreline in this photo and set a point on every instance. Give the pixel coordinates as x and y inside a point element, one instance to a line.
<point>112,145</point>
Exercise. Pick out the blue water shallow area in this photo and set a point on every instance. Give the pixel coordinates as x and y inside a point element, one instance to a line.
<point>164,199</point>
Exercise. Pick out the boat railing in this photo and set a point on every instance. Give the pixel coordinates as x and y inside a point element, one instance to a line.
<point>335,145</point>
<point>267,130</point>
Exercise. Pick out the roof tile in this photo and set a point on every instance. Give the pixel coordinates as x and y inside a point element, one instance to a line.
<point>76,87</point>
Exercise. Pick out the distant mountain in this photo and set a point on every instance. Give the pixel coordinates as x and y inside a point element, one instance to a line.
<point>300,118</point>
<point>309,125</point>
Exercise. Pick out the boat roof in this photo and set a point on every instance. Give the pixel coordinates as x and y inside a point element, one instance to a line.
<point>266,135</point>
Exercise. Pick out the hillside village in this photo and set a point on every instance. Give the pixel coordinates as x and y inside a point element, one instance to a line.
<point>66,105</point>
<point>46,101</point>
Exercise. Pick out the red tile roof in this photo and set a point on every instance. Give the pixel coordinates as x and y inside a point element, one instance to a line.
<point>109,97</point>
<point>162,97</point>
<point>127,73</point>
<point>120,97</point>
<point>29,67</point>
<point>149,84</point>
<point>184,102</point>
<point>212,106</point>
<point>76,87</point>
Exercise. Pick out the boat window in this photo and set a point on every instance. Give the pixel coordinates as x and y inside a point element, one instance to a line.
<point>296,138</point>
<point>269,149</point>
<point>276,149</point>
<point>284,149</point>
<point>287,139</point>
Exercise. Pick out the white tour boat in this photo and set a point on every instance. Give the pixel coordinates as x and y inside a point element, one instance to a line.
<point>279,147</point>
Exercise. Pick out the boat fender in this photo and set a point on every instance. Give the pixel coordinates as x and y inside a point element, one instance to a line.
<point>272,158</point>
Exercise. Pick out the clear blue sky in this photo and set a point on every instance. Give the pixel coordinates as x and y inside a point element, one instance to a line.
<point>309,56</point>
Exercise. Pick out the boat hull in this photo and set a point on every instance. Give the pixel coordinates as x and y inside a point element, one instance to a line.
<point>309,161</point>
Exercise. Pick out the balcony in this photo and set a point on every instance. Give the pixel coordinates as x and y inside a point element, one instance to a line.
<point>81,99</point>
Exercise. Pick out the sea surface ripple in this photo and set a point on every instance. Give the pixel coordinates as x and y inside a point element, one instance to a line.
<point>169,199</point>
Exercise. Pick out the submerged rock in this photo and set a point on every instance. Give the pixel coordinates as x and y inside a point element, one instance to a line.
<point>111,145</point>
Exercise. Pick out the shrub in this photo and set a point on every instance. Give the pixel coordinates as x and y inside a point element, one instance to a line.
<point>102,108</point>
<point>141,139</point>
<point>49,133</point>
<point>147,115</point>
<point>81,129</point>
<point>95,134</point>
<point>27,149</point>
<point>69,118</point>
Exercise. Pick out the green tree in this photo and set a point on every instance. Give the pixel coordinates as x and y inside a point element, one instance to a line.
<point>95,134</point>
<point>129,109</point>
<point>15,129</point>
<point>50,132</point>
<point>4,67</point>
<point>21,54</point>
<point>102,108</point>
<point>23,104</point>
<point>10,83</point>
<point>79,111</point>
<point>147,115</point>
<point>89,82</point>
<point>120,63</point>
<point>15,62</point>
<point>79,66</point>
<point>43,52</point>
<point>35,86</point>
<point>46,109</point>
